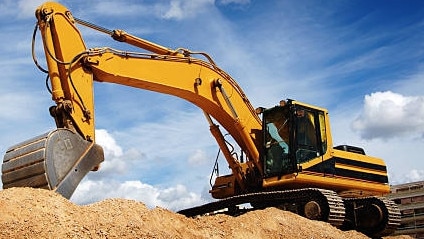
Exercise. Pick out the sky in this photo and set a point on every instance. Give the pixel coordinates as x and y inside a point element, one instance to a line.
<point>362,60</point>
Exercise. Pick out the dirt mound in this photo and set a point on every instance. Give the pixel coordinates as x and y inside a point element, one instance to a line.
<point>37,213</point>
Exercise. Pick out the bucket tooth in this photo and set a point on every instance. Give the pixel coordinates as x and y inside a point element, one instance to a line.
<point>57,160</point>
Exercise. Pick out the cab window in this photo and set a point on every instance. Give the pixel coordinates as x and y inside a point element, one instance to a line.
<point>306,135</point>
<point>323,132</point>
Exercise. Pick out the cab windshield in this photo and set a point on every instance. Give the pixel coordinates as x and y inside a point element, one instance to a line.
<point>306,136</point>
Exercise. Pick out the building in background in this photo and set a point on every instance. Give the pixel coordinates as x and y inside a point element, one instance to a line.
<point>410,199</point>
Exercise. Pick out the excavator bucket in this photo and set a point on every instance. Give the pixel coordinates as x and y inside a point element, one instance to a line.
<point>56,160</point>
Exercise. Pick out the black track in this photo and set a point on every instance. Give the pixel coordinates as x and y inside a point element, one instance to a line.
<point>341,213</point>
<point>331,204</point>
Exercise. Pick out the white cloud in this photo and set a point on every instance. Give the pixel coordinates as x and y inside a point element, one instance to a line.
<point>387,114</point>
<point>174,11</point>
<point>123,174</point>
<point>180,9</point>
<point>111,149</point>
<point>198,157</point>
<point>415,175</point>
<point>117,163</point>
<point>402,154</point>
<point>178,197</point>
<point>174,198</point>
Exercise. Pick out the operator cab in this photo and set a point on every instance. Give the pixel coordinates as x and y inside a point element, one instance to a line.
<point>293,134</point>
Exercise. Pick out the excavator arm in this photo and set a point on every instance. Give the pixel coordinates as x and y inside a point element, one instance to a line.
<point>188,78</point>
<point>194,80</point>
<point>70,151</point>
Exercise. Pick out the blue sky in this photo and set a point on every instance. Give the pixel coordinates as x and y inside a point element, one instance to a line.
<point>362,60</point>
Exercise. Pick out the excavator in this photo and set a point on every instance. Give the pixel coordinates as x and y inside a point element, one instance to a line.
<point>287,158</point>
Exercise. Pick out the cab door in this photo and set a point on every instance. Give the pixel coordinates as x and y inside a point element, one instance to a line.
<point>277,154</point>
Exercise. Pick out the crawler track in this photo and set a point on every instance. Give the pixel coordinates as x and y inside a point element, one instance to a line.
<point>329,204</point>
<point>373,216</point>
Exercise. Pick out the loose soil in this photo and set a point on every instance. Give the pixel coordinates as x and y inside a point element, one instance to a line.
<point>38,213</point>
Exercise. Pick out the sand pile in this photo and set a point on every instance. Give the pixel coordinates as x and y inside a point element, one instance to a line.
<point>37,213</point>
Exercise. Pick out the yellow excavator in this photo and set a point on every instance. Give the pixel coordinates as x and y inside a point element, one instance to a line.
<point>287,157</point>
